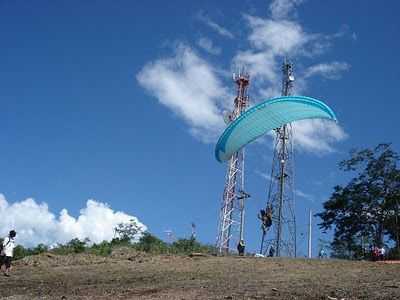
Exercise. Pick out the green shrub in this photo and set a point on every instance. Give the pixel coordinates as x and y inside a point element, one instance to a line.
<point>73,246</point>
<point>147,243</point>
<point>102,249</point>
<point>20,252</point>
<point>41,248</point>
<point>150,243</point>
<point>120,242</point>
<point>187,246</point>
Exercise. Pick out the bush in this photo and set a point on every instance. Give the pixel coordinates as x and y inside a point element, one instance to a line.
<point>147,243</point>
<point>73,246</point>
<point>102,249</point>
<point>150,243</point>
<point>117,242</point>
<point>41,248</point>
<point>187,246</point>
<point>20,252</point>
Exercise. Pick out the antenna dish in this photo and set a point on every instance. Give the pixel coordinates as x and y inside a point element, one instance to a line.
<point>291,78</point>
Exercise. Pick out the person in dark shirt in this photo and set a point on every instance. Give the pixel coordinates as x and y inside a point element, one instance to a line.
<point>241,247</point>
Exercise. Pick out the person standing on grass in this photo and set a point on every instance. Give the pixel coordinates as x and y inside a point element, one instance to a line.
<point>7,252</point>
<point>241,248</point>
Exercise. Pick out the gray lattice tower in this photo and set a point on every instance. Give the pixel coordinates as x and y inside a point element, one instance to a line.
<point>281,235</point>
<point>231,219</point>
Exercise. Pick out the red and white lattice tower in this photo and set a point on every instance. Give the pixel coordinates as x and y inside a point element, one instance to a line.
<point>231,220</point>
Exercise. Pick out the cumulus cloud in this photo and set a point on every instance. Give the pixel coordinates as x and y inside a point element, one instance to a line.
<point>216,27</point>
<point>208,46</point>
<point>189,86</point>
<point>35,224</point>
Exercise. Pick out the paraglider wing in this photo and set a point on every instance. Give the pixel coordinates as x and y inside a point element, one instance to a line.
<point>266,116</point>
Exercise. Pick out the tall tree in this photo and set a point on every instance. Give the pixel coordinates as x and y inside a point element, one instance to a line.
<point>366,209</point>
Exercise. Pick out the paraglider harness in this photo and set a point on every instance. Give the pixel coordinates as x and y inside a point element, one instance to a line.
<point>266,222</point>
<point>266,218</point>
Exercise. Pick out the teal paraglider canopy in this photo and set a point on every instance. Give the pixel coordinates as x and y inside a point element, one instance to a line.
<point>266,116</point>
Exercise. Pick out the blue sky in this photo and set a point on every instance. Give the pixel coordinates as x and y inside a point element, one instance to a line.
<point>119,101</point>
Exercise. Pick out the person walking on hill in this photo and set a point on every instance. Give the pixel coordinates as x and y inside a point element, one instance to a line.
<point>7,252</point>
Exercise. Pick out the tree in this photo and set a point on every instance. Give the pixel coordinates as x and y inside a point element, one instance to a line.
<point>76,245</point>
<point>367,208</point>
<point>41,248</point>
<point>127,231</point>
<point>150,243</point>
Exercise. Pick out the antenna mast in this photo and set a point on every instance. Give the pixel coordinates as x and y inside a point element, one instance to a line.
<point>231,219</point>
<point>280,201</point>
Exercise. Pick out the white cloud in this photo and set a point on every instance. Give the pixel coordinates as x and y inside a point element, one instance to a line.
<point>194,90</point>
<point>304,195</point>
<point>264,175</point>
<point>317,136</point>
<point>208,46</point>
<point>328,70</point>
<point>278,36</point>
<point>35,224</point>
<point>281,9</point>
<point>189,86</point>
<point>270,40</point>
<point>216,27</point>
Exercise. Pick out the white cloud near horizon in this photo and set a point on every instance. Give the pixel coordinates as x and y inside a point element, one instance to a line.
<point>36,224</point>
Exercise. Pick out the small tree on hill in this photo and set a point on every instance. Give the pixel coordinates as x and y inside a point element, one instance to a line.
<point>127,231</point>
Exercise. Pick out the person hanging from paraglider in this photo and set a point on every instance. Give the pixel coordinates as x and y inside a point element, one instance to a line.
<point>266,218</point>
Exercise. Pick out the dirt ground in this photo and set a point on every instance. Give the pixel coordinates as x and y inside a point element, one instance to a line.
<point>132,275</point>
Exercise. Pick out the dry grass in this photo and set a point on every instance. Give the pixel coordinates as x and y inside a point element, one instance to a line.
<point>131,275</point>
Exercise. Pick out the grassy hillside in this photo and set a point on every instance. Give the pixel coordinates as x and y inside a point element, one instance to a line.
<point>130,274</point>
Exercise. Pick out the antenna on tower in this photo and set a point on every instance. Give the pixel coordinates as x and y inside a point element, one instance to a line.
<point>231,219</point>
